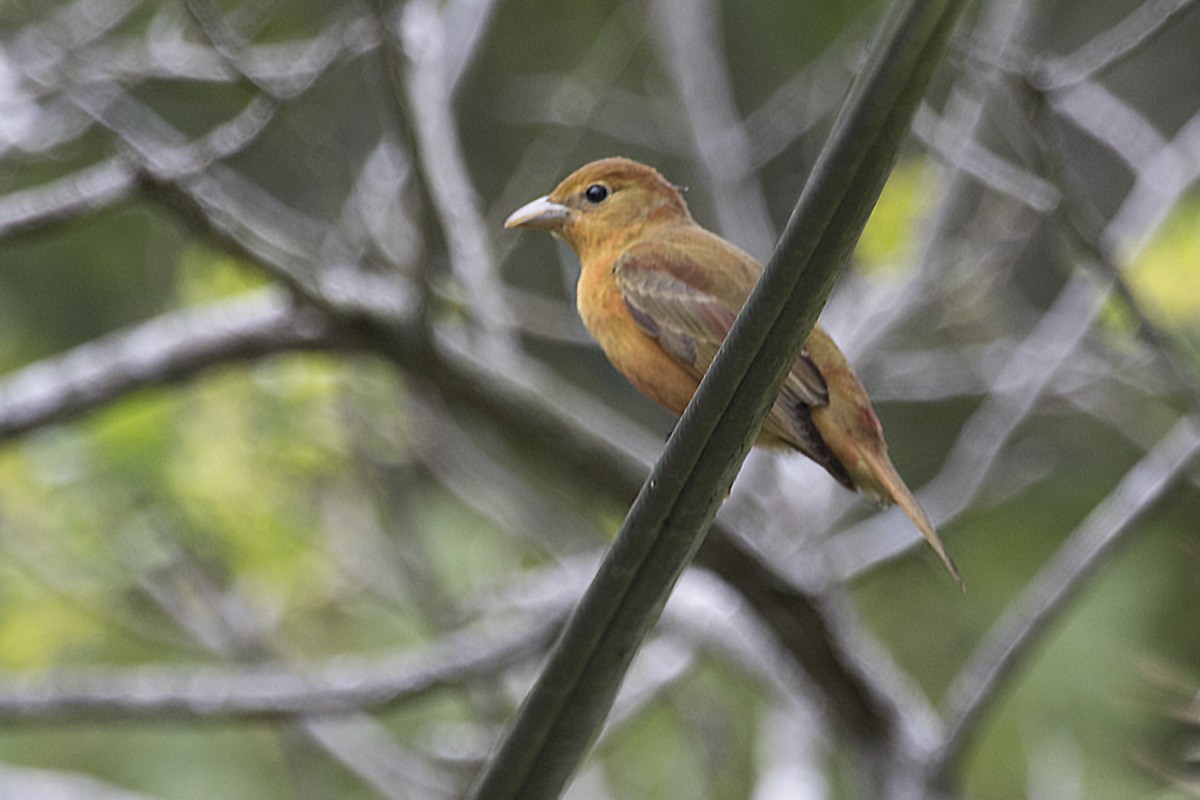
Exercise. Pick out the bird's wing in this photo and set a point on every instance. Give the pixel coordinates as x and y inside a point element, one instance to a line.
<point>689,307</point>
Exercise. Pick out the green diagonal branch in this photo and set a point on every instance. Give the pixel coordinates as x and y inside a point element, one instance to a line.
<point>567,705</point>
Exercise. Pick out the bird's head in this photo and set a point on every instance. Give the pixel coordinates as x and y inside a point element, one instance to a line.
<point>604,204</point>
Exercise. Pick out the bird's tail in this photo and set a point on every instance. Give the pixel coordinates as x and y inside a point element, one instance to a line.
<point>891,488</point>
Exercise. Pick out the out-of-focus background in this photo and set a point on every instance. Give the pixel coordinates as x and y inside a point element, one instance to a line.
<point>305,457</point>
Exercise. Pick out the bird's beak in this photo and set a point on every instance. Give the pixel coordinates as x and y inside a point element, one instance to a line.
<point>541,213</point>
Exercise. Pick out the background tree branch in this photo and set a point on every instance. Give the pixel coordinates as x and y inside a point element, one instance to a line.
<point>297,439</point>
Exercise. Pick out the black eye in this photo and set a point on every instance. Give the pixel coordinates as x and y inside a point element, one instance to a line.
<point>596,193</point>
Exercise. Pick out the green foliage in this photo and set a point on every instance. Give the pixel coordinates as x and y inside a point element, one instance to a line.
<point>204,276</point>
<point>1166,276</point>
<point>1064,717</point>
<point>655,758</point>
<point>224,466</point>
<point>49,301</point>
<point>698,740</point>
<point>891,237</point>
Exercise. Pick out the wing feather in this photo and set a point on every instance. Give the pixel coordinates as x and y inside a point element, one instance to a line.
<point>689,309</point>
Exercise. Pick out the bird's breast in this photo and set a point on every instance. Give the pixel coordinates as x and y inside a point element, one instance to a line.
<point>634,353</point>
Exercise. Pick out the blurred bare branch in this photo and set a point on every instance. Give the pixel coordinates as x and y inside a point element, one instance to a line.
<point>964,153</point>
<point>1161,181</point>
<point>232,628</point>
<point>369,751</point>
<point>282,70</point>
<point>264,690</point>
<point>424,34</point>
<point>1113,122</point>
<point>689,37</point>
<point>76,195</point>
<point>45,46</point>
<point>1103,245</point>
<point>1112,45</point>
<point>460,464</point>
<point>44,783</point>
<point>172,348</point>
<point>297,249</point>
<point>387,238</point>
<point>1110,521</point>
<point>586,99</point>
<point>1018,387</point>
<point>808,98</point>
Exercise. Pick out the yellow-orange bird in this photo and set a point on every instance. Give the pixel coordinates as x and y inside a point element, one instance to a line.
<point>660,293</point>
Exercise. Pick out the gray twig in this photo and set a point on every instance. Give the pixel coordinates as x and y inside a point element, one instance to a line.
<point>428,81</point>
<point>1110,522</point>
<point>270,691</point>
<point>689,37</point>
<point>171,348</point>
<point>1111,47</point>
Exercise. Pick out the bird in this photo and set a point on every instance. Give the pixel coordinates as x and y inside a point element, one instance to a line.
<point>659,293</point>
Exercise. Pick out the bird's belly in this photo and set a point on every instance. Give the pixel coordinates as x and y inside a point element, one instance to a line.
<point>635,354</point>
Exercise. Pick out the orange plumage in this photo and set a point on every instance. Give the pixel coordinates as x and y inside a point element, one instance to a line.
<point>660,293</point>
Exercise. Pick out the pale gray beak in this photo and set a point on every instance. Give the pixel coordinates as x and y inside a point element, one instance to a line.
<point>541,213</point>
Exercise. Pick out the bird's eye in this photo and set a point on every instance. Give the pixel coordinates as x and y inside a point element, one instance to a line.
<point>596,193</point>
